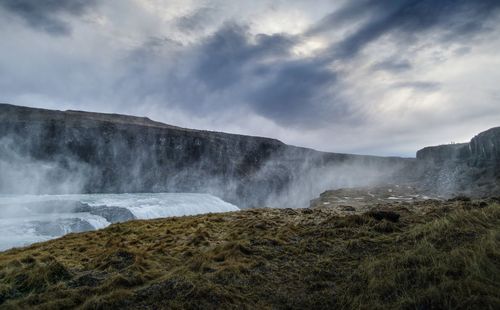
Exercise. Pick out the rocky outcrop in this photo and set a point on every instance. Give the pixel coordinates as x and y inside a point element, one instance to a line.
<point>45,151</point>
<point>485,147</point>
<point>482,149</point>
<point>441,153</point>
<point>60,227</point>
<point>112,214</point>
<point>469,168</point>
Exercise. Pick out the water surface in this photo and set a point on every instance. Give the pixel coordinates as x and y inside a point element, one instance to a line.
<point>26,219</point>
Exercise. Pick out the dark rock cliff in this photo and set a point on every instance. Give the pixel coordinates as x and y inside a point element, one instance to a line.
<point>469,168</point>
<point>442,153</point>
<point>45,151</point>
<point>483,148</point>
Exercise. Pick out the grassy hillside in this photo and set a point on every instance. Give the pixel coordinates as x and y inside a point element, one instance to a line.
<point>429,255</point>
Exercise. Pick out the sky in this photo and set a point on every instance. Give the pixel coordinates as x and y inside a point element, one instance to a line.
<point>355,76</point>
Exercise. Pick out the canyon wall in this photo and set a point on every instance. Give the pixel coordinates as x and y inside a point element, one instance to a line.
<point>471,168</point>
<point>46,151</point>
<point>57,152</point>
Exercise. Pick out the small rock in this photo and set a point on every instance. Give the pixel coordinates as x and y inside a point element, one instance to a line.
<point>387,215</point>
<point>460,198</point>
<point>347,208</point>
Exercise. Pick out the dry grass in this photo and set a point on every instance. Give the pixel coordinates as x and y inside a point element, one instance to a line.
<point>445,256</point>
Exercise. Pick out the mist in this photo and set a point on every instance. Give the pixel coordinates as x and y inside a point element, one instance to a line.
<point>51,152</point>
<point>23,174</point>
<point>76,171</point>
<point>70,171</point>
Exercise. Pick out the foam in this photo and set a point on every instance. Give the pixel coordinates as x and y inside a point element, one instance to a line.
<point>22,231</point>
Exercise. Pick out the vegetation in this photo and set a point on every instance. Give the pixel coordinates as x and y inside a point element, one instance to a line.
<point>420,256</point>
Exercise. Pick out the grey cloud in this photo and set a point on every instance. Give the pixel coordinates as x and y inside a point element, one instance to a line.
<point>341,17</point>
<point>454,18</point>
<point>423,86</point>
<point>225,54</point>
<point>464,50</point>
<point>298,94</point>
<point>44,15</point>
<point>392,65</point>
<point>294,93</point>
<point>197,20</point>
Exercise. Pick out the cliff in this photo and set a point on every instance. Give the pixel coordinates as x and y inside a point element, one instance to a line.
<point>484,148</point>
<point>445,152</point>
<point>471,168</point>
<point>46,151</point>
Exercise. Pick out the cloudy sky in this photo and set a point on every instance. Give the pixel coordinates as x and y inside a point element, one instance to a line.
<point>358,76</point>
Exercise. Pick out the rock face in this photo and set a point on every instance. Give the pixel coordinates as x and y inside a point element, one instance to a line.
<point>45,151</point>
<point>485,147</point>
<point>111,213</point>
<point>482,149</point>
<point>60,227</point>
<point>441,153</point>
<point>469,168</point>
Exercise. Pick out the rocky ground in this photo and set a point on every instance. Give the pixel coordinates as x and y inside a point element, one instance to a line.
<point>359,200</point>
<point>381,248</point>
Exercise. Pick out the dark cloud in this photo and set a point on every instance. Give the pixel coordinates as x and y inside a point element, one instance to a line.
<point>392,65</point>
<point>298,94</point>
<point>455,19</point>
<point>341,17</point>
<point>197,20</point>
<point>44,15</point>
<point>225,54</point>
<point>292,92</point>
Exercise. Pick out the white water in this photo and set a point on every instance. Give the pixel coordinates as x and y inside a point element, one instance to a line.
<point>15,232</point>
<point>22,231</point>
